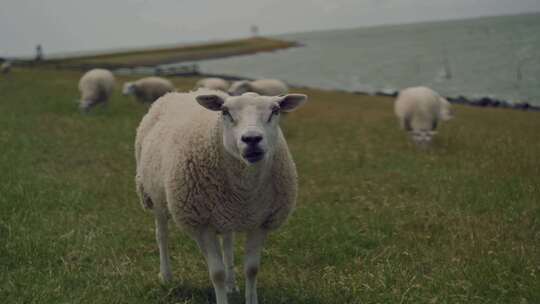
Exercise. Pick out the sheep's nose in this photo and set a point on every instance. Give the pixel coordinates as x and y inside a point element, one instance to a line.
<point>252,138</point>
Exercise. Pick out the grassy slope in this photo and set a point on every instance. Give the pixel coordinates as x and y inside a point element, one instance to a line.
<point>378,221</point>
<point>152,57</point>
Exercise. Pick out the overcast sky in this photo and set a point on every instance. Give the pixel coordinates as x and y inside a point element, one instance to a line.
<point>77,25</point>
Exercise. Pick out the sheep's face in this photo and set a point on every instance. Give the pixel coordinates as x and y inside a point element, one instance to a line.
<point>239,87</point>
<point>446,113</point>
<point>128,88</point>
<point>422,138</point>
<point>251,122</point>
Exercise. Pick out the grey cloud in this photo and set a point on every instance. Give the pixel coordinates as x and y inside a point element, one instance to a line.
<point>69,25</point>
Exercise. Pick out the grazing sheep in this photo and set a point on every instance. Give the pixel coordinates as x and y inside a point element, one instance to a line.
<point>5,67</point>
<point>213,83</point>
<point>96,86</point>
<point>419,110</point>
<point>266,87</point>
<point>148,89</point>
<point>217,165</point>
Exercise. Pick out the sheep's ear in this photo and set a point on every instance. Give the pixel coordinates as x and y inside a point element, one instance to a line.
<point>211,102</point>
<point>290,102</point>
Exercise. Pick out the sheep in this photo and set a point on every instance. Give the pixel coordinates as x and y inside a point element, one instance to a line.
<point>266,87</point>
<point>419,110</point>
<point>5,68</point>
<point>96,86</point>
<point>148,89</point>
<point>213,83</point>
<point>217,164</point>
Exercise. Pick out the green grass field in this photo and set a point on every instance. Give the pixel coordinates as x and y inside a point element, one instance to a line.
<point>378,221</point>
<point>155,56</point>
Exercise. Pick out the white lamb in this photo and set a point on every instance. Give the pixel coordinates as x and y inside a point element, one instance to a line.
<point>213,83</point>
<point>217,164</point>
<point>148,89</point>
<point>96,86</point>
<point>266,87</point>
<point>419,110</point>
<point>5,68</point>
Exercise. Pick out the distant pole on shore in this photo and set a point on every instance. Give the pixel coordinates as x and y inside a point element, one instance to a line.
<point>39,53</point>
<point>254,31</point>
<point>446,66</point>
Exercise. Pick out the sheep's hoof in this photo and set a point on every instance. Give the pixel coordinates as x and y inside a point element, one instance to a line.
<point>165,278</point>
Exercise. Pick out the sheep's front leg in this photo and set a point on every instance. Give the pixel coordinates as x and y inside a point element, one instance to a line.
<point>228,260</point>
<point>254,244</point>
<point>162,232</point>
<point>211,248</point>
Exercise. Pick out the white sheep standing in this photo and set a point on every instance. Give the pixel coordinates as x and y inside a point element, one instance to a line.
<point>213,83</point>
<point>5,68</point>
<point>148,89</point>
<point>266,87</point>
<point>218,165</point>
<point>419,110</point>
<point>96,86</point>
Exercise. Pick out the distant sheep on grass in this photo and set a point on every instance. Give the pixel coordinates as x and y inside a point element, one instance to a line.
<point>265,87</point>
<point>419,110</point>
<point>148,89</point>
<point>5,68</point>
<point>217,165</point>
<point>213,83</point>
<point>96,86</point>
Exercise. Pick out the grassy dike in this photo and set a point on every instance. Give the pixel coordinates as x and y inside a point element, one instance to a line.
<point>156,56</point>
<point>378,221</point>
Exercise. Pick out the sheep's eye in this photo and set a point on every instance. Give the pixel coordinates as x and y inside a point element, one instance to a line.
<point>227,114</point>
<point>275,112</point>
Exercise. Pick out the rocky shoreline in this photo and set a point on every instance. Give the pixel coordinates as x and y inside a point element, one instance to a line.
<point>475,102</point>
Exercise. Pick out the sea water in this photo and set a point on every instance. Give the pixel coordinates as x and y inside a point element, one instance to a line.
<point>497,57</point>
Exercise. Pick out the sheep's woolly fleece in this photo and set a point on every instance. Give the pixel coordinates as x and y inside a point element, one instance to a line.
<point>420,108</point>
<point>213,83</point>
<point>5,67</point>
<point>149,89</point>
<point>183,166</point>
<point>266,87</point>
<point>96,86</point>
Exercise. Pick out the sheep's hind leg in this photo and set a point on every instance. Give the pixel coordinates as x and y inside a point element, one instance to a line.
<point>211,248</point>
<point>228,260</point>
<point>254,244</point>
<point>162,232</point>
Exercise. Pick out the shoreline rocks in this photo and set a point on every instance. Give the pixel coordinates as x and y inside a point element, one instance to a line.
<point>493,103</point>
<point>486,101</point>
